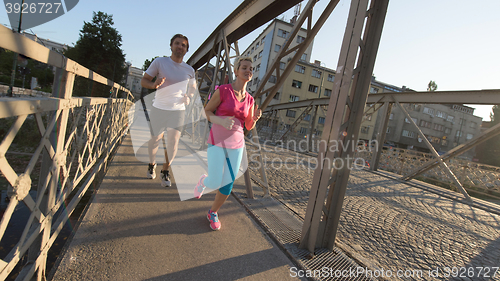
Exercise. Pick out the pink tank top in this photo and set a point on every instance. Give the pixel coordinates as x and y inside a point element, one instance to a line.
<point>230,106</point>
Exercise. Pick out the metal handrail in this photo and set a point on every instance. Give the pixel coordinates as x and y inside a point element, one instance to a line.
<point>77,136</point>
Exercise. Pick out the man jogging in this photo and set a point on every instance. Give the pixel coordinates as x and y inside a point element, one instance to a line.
<point>173,79</point>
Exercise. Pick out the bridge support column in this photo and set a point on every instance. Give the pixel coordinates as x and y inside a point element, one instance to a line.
<point>344,117</point>
<point>382,131</point>
<point>51,168</point>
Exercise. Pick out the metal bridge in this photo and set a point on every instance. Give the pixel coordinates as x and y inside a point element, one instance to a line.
<point>78,135</point>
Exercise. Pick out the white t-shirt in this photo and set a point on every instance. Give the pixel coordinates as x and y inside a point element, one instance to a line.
<point>178,77</point>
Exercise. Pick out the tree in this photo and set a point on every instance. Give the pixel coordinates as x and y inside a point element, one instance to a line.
<point>41,71</point>
<point>98,49</point>
<point>490,149</point>
<point>432,86</point>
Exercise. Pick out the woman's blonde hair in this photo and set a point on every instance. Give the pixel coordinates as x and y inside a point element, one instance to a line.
<point>239,60</point>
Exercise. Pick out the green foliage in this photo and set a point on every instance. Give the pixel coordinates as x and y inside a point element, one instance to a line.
<point>432,86</point>
<point>41,71</point>
<point>98,49</point>
<point>147,63</point>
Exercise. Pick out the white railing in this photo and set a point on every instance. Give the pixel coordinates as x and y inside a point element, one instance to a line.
<point>51,152</point>
<point>475,177</point>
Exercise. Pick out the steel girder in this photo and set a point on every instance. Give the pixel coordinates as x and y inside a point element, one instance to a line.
<point>344,116</point>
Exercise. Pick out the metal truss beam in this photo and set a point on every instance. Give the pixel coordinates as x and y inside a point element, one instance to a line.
<point>298,49</point>
<point>248,16</point>
<point>343,120</point>
<point>447,170</point>
<point>444,97</point>
<point>382,131</point>
<point>488,134</point>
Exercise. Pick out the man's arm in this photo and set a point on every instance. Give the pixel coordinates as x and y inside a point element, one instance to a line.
<point>147,82</point>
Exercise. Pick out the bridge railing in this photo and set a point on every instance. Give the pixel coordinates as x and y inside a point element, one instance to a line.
<point>52,149</point>
<point>479,179</point>
<point>475,177</point>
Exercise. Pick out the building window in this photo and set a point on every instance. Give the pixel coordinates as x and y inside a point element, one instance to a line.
<point>470,136</point>
<point>282,65</point>
<point>300,68</point>
<point>450,118</point>
<point>290,113</point>
<point>368,117</point>
<point>434,139</point>
<point>303,131</point>
<point>316,73</point>
<point>262,41</point>
<point>257,68</point>
<point>296,84</point>
<point>438,127</point>
<point>304,57</point>
<point>408,120</point>
<point>255,58</point>
<point>277,96</point>
<point>408,134</point>
<point>257,45</point>
<point>462,121</point>
<point>308,117</point>
<point>313,88</point>
<point>321,120</point>
<point>277,48</point>
<point>328,92</point>
<point>365,129</point>
<point>272,79</point>
<point>300,39</point>
<point>251,51</point>
<point>458,134</point>
<point>388,130</point>
<point>373,90</point>
<point>447,131</point>
<point>293,98</point>
<point>282,33</point>
<point>425,124</point>
<point>391,117</point>
<point>429,111</point>
<point>260,54</point>
<point>318,133</point>
<point>473,124</point>
<point>330,77</point>
<point>255,81</point>
<point>441,114</point>
<point>444,142</point>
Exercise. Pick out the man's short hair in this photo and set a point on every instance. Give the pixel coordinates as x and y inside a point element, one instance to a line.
<point>239,60</point>
<point>179,36</point>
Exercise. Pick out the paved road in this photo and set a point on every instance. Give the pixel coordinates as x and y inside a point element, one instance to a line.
<point>396,226</point>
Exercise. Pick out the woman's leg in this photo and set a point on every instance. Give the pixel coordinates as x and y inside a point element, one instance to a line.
<point>231,167</point>
<point>215,159</point>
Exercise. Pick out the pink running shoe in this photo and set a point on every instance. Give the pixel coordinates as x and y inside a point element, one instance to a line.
<point>199,188</point>
<point>213,218</point>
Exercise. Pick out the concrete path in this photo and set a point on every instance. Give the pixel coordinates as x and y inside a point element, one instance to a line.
<point>137,230</point>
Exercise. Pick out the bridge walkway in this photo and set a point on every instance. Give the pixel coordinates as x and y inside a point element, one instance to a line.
<point>136,230</point>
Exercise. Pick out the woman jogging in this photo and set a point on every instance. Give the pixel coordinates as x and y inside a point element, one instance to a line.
<point>226,141</point>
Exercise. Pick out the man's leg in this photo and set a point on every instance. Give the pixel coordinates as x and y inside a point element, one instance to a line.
<point>172,145</point>
<point>173,136</point>
<point>153,144</point>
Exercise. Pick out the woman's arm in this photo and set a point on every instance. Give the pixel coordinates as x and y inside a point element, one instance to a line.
<point>252,117</point>
<point>212,105</point>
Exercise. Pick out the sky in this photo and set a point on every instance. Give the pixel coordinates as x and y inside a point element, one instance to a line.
<point>453,42</point>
